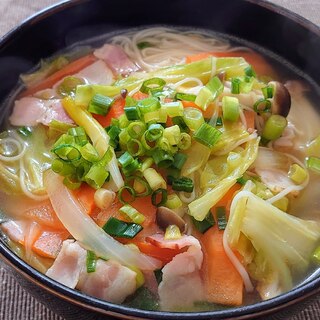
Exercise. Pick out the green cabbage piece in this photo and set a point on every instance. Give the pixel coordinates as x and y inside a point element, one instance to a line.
<point>199,208</point>
<point>199,69</point>
<point>276,246</point>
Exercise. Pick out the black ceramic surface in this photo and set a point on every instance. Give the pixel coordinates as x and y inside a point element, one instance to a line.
<point>266,25</point>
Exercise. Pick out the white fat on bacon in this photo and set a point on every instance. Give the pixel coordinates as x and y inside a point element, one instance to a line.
<point>116,59</point>
<point>181,283</point>
<point>110,281</point>
<point>29,111</point>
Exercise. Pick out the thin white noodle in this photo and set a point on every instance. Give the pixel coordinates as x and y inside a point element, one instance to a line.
<point>25,188</point>
<point>289,189</point>
<point>243,118</point>
<point>21,150</point>
<point>168,46</point>
<point>184,81</point>
<point>252,136</point>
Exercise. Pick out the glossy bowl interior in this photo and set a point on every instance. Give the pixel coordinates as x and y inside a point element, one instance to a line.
<point>284,34</point>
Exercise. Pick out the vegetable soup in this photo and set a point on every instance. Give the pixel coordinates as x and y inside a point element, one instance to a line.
<point>164,170</point>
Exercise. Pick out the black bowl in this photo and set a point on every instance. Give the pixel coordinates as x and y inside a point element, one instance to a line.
<point>285,34</point>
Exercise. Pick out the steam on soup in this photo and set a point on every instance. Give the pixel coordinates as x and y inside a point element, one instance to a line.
<point>163,170</point>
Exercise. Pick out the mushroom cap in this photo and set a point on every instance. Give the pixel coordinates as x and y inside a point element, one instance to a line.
<point>166,217</point>
<point>281,99</point>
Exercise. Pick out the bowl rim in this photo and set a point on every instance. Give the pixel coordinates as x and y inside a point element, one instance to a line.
<point>261,308</point>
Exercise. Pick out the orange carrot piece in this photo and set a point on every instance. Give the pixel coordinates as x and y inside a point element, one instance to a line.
<point>140,95</point>
<point>259,63</point>
<point>163,254</point>
<point>44,215</point>
<point>116,110</point>
<point>70,69</point>
<point>85,195</point>
<point>249,115</point>
<point>49,243</point>
<point>223,283</point>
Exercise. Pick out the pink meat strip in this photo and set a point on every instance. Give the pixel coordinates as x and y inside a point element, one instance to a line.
<point>116,59</point>
<point>181,283</point>
<point>111,281</point>
<point>29,111</point>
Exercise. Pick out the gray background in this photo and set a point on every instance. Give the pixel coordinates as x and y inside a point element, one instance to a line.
<point>15,303</point>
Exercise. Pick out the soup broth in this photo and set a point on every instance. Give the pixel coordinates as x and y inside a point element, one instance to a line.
<point>166,170</point>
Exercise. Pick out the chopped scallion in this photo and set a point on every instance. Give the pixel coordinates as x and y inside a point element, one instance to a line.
<point>205,224</point>
<point>152,85</point>
<point>122,229</point>
<point>100,104</point>
<point>274,127</point>
<point>179,160</point>
<point>172,233</point>
<point>163,193</point>
<point>230,108</point>
<point>313,163</point>
<point>185,96</point>
<point>130,197</point>
<point>183,184</point>
<point>91,261</point>
<point>221,217</point>
<point>207,135</point>
<point>133,214</point>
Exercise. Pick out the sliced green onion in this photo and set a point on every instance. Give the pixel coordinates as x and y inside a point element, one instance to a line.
<point>82,169</point>
<point>89,152</point>
<point>131,194</point>
<point>193,118</point>
<point>132,113</point>
<point>67,152</point>
<point>154,132</point>
<point>161,158</point>
<point>25,131</point>
<point>172,233</point>
<point>316,256</point>
<point>221,217</point>
<point>91,261</point>
<point>219,122</point>
<point>185,96</point>
<point>125,159</point>
<point>163,197</point>
<point>130,102</point>
<point>97,175</point>
<point>250,72</point>
<point>181,123</point>
<point>147,163</point>
<point>183,184</point>
<point>123,121</point>
<point>207,135</point>
<point>100,104</point>
<point>136,129</point>
<point>242,180</point>
<point>173,201</point>
<point>71,183</point>
<point>297,174</point>
<point>274,127</point>
<point>68,85</point>
<point>172,134</point>
<point>205,224</point>
<point>144,44</point>
<point>113,132</point>
<point>121,229</point>
<point>154,179</point>
<point>79,135</point>
<point>230,108</point>
<point>185,141</point>
<point>62,167</point>
<point>268,92</point>
<point>140,186</point>
<point>163,144</point>
<point>172,174</point>
<point>179,160</point>
<point>148,145</point>
<point>123,138</point>
<point>133,214</point>
<point>173,109</point>
<point>135,147</point>
<point>152,85</point>
<point>209,93</point>
<point>313,164</point>
<point>262,106</point>
<point>235,85</point>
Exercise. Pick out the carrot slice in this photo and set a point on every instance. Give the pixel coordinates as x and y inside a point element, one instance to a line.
<point>259,63</point>
<point>116,110</point>
<point>223,283</point>
<point>163,254</point>
<point>249,115</point>
<point>49,243</point>
<point>44,215</point>
<point>140,95</point>
<point>85,195</point>
<point>71,68</point>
